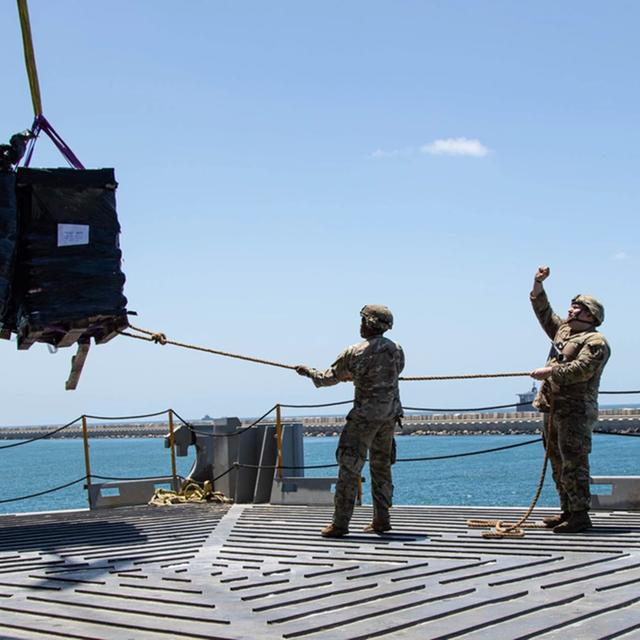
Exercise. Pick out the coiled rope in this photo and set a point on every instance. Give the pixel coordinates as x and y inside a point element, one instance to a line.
<point>158,337</point>
<point>516,529</point>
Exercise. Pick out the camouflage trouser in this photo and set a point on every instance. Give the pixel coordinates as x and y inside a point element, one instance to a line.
<point>358,437</point>
<point>567,438</point>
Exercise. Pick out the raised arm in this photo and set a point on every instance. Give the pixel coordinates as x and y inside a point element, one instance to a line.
<point>549,321</point>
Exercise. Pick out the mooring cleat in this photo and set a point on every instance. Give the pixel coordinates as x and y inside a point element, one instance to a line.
<point>333,531</point>
<point>377,527</point>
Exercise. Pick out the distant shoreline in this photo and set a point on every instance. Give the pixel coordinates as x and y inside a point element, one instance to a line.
<point>506,423</point>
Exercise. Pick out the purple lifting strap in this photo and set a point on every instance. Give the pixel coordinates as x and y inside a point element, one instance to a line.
<point>42,124</point>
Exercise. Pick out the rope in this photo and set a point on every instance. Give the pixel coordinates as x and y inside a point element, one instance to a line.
<point>29,57</point>
<point>161,338</point>
<point>615,433</point>
<point>136,478</point>
<point>224,435</point>
<point>275,466</point>
<point>618,392</point>
<point>190,492</point>
<point>516,529</point>
<point>142,415</point>
<point>314,406</point>
<point>495,406</point>
<point>41,493</point>
<point>470,453</point>
<point>224,473</point>
<point>40,437</point>
<point>69,424</point>
<point>468,376</point>
<point>445,457</point>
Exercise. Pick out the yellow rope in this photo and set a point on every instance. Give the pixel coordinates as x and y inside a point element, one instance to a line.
<point>190,492</point>
<point>161,338</point>
<point>29,57</point>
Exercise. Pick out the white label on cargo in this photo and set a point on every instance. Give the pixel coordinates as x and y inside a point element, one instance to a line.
<point>72,234</point>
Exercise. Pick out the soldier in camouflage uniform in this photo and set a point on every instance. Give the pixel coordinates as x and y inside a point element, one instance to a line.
<point>569,399</point>
<point>373,366</point>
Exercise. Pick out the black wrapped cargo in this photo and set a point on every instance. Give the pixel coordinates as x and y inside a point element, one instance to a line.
<point>69,282</point>
<point>8,241</point>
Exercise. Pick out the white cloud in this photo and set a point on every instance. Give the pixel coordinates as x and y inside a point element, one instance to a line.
<point>620,256</point>
<point>455,147</point>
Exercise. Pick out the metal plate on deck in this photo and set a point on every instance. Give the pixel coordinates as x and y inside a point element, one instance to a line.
<point>214,571</point>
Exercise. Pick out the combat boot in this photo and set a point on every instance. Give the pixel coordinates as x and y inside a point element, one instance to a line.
<point>377,527</point>
<point>578,521</point>
<point>333,531</point>
<point>553,521</point>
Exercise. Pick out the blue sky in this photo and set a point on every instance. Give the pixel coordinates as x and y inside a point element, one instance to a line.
<point>281,164</point>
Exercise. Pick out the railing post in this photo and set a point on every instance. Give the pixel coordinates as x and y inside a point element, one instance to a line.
<point>172,443</point>
<point>279,439</point>
<point>87,464</point>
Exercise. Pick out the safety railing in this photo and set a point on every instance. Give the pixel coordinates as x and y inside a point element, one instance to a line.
<point>88,477</point>
<point>278,468</point>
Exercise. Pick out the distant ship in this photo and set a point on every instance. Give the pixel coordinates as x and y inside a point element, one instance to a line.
<point>525,400</point>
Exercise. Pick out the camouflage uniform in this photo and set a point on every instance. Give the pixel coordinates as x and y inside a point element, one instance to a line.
<point>373,366</point>
<point>569,400</point>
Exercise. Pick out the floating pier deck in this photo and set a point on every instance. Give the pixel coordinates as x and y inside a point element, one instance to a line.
<point>262,571</point>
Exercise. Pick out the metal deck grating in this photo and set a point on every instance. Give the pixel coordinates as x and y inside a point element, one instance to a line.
<point>214,571</point>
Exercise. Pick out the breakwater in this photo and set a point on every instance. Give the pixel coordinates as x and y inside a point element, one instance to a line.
<point>503,423</point>
<point>618,420</point>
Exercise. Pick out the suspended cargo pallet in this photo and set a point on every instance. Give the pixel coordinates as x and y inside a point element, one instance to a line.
<point>68,274</point>
<point>8,238</point>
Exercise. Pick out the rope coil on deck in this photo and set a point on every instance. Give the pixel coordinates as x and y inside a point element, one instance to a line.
<point>516,529</point>
<point>513,529</point>
<point>189,492</point>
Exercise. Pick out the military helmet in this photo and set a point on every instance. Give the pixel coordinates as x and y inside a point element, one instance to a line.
<point>377,316</point>
<point>592,305</point>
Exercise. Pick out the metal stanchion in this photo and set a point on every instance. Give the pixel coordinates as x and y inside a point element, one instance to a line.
<point>279,439</point>
<point>172,447</point>
<point>87,464</point>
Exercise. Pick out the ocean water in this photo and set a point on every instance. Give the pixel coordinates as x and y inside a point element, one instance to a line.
<point>503,478</point>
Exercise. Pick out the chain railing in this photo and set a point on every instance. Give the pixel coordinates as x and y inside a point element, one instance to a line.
<point>279,423</point>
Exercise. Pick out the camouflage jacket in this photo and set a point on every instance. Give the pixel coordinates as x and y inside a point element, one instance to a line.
<point>373,366</point>
<point>577,360</point>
